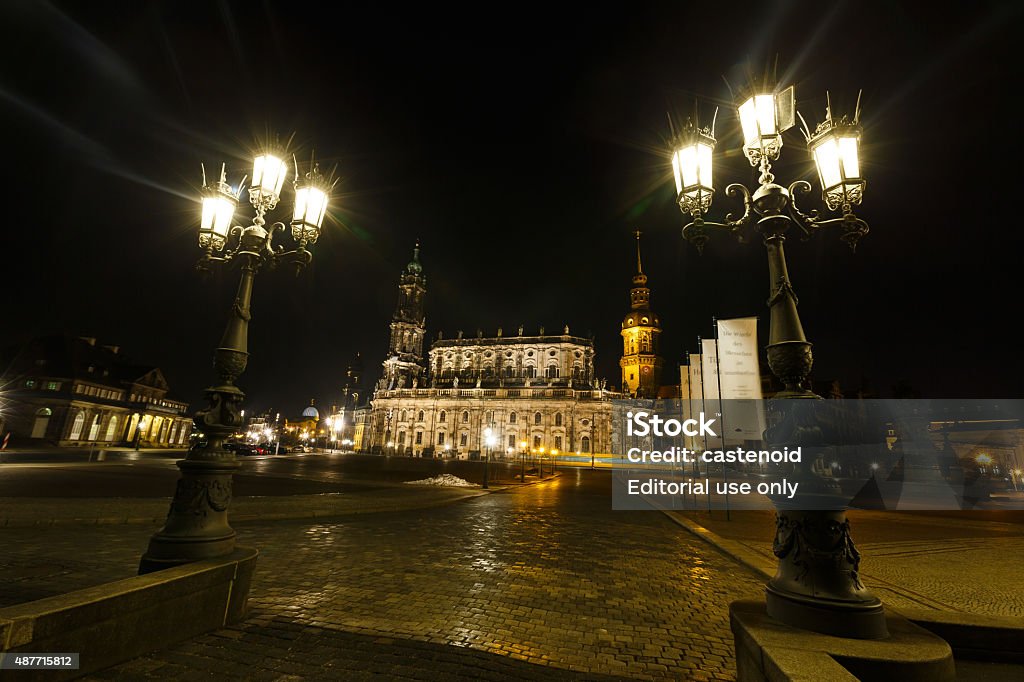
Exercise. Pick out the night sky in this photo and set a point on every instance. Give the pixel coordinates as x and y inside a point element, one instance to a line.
<point>522,144</point>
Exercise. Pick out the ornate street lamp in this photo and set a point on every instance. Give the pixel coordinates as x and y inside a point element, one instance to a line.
<point>816,586</point>
<point>197,524</point>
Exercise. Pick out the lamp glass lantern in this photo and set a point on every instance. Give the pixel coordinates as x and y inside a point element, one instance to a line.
<point>764,117</point>
<point>268,175</point>
<point>836,152</point>
<point>218,213</point>
<point>311,200</point>
<point>691,165</point>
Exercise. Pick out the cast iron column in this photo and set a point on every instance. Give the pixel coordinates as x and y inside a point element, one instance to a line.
<point>817,583</point>
<point>197,523</point>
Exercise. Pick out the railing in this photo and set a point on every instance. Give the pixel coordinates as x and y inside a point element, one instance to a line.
<point>538,392</point>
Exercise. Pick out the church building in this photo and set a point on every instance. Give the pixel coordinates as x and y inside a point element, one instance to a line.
<point>532,391</point>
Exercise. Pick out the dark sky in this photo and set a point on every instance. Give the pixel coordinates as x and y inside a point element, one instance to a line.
<point>521,143</point>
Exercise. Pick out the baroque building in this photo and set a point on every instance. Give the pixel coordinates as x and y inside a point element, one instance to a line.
<point>641,331</point>
<point>532,391</point>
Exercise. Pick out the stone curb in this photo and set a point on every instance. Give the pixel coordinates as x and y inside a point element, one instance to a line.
<point>731,548</point>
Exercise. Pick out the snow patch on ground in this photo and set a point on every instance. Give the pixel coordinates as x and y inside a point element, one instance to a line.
<point>444,480</point>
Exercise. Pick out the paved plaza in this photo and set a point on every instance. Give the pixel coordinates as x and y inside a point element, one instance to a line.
<point>540,582</point>
<point>543,581</point>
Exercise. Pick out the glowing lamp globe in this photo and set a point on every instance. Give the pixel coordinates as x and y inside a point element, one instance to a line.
<point>268,175</point>
<point>218,213</point>
<point>310,208</point>
<point>835,148</point>
<point>691,165</point>
<point>763,118</point>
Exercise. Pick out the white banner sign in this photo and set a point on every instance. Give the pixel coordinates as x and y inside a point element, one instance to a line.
<point>740,378</point>
<point>696,394</point>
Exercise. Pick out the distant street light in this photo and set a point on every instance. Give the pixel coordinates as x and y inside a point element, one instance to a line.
<point>816,587</point>
<point>490,440</point>
<point>522,469</point>
<point>197,524</point>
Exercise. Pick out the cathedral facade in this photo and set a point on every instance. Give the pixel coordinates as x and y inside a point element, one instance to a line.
<point>531,391</point>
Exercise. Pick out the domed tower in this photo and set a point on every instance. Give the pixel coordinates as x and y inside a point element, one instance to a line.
<point>404,364</point>
<point>311,412</point>
<point>641,329</point>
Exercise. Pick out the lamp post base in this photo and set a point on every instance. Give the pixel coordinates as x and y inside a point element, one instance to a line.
<point>817,586</point>
<point>197,523</point>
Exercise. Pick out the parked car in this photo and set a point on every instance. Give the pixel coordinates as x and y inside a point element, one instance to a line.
<point>302,448</point>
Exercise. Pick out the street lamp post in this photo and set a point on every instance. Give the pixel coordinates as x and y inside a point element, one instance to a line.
<point>522,462</point>
<point>489,441</point>
<point>138,434</point>
<point>817,585</point>
<point>197,523</point>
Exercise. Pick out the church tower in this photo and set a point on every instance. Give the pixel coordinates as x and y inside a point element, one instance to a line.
<point>403,367</point>
<point>641,329</point>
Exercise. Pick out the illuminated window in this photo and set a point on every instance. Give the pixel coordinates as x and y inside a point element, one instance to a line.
<point>76,426</point>
<point>558,442</point>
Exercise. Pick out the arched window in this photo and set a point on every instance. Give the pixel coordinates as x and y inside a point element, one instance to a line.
<point>442,417</point>
<point>401,416</point>
<point>552,372</point>
<point>536,442</point>
<point>421,416</point>
<point>530,372</point>
<point>536,418</point>
<point>76,426</point>
<point>585,444</point>
<point>512,418</point>
<point>111,429</point>
<point>465,417</point>
<point>94,428</point>
<point>558,419</point>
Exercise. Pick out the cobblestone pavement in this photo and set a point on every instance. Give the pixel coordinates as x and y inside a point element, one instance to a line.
<point>956,561</point>
<point>543,582</point>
